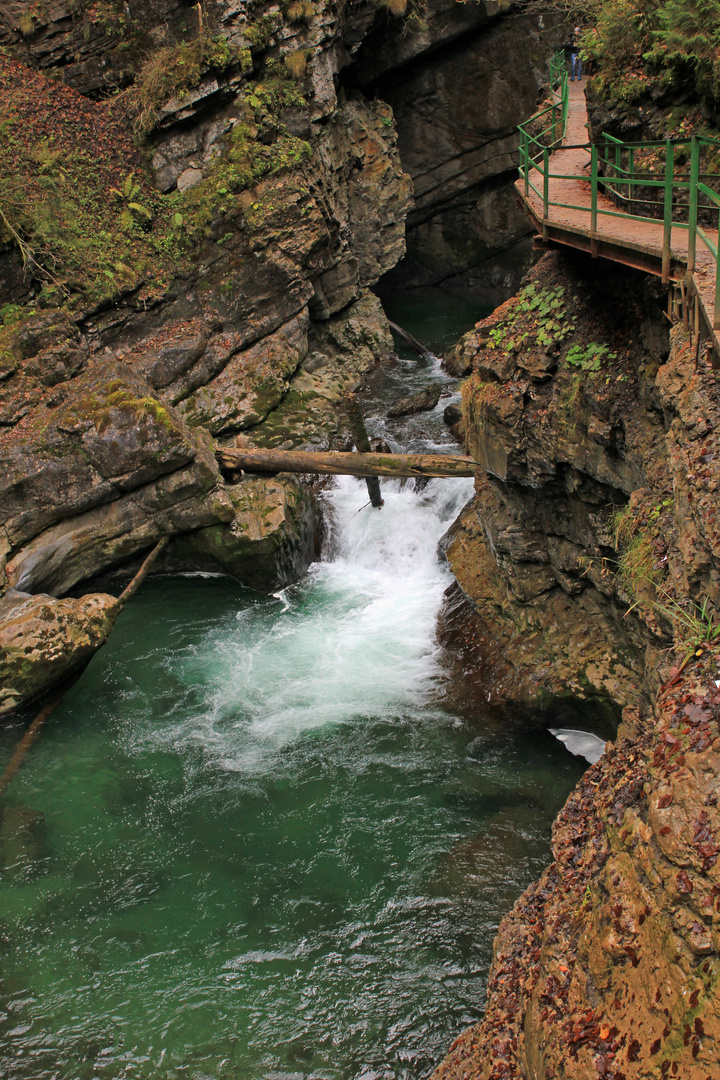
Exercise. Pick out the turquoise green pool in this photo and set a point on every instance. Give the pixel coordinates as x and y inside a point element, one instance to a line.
<point>256,842</point>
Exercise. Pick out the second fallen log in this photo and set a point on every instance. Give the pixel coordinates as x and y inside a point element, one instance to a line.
<point>336,463</point>
<point>362,445</point>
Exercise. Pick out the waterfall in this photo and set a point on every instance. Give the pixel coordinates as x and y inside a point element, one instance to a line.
<point>355,638</point>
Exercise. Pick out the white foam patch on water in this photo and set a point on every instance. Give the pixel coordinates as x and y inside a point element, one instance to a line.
<point>580,743</point>
<point>355,639</point>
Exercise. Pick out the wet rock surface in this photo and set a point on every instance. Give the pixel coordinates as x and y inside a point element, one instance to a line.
<point>43,640</point>
<point>568,453</point>
<point>458,93</point>
<point>108,413</point>
<point>588,554</point>
<point>423,401</point>
<point>608,965</point>
<point>269,541</point>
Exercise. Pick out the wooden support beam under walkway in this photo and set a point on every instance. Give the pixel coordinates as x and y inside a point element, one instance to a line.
<point>336,463</point>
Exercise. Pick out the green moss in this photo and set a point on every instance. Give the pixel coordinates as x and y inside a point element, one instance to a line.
<point>79,231</point>
<point>259,146</point>
<point>90,231</point>
<point>173,71</point>
<point>260,32</point>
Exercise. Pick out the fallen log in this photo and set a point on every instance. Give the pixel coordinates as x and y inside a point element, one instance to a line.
<point>143,572</point>
<point>362,444</point>
<point>415,345</point>
<point>336,463</point>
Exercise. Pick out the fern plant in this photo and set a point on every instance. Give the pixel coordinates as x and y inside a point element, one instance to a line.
<point>128,195</point>
<point>688,40</point>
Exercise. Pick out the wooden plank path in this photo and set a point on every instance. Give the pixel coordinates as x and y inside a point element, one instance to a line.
<point>625,240</point>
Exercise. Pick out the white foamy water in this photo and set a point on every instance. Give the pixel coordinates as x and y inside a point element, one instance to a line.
<point>580,743</point>
<point>355,639</point>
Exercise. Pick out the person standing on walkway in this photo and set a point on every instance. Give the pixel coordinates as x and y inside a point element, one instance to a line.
<point>575,61</point>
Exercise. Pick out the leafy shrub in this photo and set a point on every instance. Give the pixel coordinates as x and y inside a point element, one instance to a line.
<point>538,314</point>
<point>671,42</point>
<point>588,357</point>
<point>259,33</point>
<point>687,40</point>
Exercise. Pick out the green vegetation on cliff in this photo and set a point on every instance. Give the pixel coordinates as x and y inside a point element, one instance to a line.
<point>174,70</point>
<point>75,197</point>
<point>636,46</point>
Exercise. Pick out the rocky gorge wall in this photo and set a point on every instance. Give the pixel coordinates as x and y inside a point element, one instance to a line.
<point>458,93</point>
<point>274,187</point>
<point>208,281</point>
<point>591,555</point>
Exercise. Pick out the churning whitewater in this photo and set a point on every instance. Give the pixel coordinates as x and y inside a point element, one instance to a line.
<point>258,840</point>
<point>356,638</point>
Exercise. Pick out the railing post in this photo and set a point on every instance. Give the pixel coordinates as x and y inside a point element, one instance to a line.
<point>667,207</point>
<point>566,102</point>
<point>546,181</point>
<point>593,187</point>
<point>554,137</point>
<point>618,148</point>
<point>631,175</point>
<point>693,200</point>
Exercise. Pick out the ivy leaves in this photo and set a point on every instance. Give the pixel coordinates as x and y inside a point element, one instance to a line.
<point>589,357</point>
<point>538,313</point>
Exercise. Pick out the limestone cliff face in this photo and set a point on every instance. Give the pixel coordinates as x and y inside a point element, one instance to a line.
<point>608,966</point>
<point>211,282</point>
<point>109,410</point>
<point>591,554</point>
<point>458,93</point>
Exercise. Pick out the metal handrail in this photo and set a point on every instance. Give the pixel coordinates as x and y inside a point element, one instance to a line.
<point>536,146</point>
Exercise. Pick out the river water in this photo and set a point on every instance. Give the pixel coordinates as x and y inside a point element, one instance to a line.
<point>259,841</point>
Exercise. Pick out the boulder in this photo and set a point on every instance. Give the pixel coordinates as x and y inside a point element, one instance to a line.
<point>43,640</point>
<point>270,540</point>
<point>89,484</point>
<point>423,401</point>
<point>252,383</point>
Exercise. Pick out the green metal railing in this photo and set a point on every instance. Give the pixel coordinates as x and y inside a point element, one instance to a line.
<point>545,131</point>
<point>615,171</point>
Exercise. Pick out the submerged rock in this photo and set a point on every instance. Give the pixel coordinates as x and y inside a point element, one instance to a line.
<point>43,640</point>
<point>424,401</point>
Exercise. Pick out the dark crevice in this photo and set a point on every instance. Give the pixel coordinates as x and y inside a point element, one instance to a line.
<point>351,77</point>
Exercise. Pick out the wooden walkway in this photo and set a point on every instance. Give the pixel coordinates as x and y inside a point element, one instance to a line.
<point>633,243</point>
